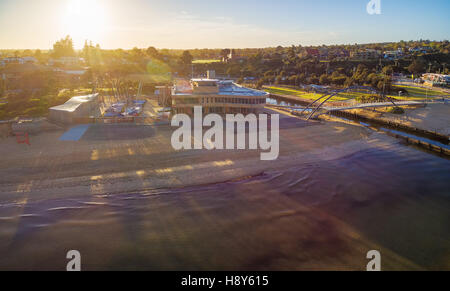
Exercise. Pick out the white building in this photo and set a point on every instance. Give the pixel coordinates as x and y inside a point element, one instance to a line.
<point>214,96</point>
<point>76,108</point>
<point>65,61</point>
<point>393,55</point>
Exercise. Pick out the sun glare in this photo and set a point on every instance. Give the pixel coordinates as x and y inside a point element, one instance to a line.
<point>85,20</point>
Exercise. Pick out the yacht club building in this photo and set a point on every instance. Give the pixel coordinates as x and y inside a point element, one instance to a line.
<point>215,96</point>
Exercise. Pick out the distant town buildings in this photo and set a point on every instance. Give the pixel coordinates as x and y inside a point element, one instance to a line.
<point>310,52</point>
<point>436,80</point>
<point>423,50</point>
<point>394,55</point>
<point>65,61</point>
<point>325,53</point>
<point>234,57</point>
<point>367,54</point>
<point>17,61</point>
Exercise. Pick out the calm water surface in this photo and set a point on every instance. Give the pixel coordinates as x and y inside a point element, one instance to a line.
<point>315,216</point>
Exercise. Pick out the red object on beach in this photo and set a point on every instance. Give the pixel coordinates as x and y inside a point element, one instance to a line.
<point>22,138</point>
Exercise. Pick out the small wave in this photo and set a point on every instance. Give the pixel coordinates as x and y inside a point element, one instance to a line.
<point>66,208</point>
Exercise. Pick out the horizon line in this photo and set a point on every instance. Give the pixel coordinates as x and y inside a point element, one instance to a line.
<point>239,48</point>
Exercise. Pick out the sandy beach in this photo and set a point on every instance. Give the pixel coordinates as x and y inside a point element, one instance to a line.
<point>124,198</point>
<point>432,117</point>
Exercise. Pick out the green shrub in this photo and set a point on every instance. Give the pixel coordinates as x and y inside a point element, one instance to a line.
<point>33,102</point>
<point>396,110</point>
<point>370,99</point>
<point>34,111</point>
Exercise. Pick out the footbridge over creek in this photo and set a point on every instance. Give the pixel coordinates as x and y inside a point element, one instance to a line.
<point>319,105</point>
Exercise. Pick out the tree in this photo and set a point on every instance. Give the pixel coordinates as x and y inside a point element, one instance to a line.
<point>372,79</point>
<point>417,66</point>
<point>186,58</point>
<point>314,79</point>
<point>388,70</point>
<point>385,85</point>
<point>91,54</point>
<point>136,55</point>
<point>349,82</point>
<point>301,78</point>
<point>224,53</point>
<point>293,80</point>
<point>152,52</point>
<point>260,83</point>
<point>278,80</point>
<point>2,87</point>
<point>38,55</point>
<point>63,48</point>
<point>324,80</point>
<point>87,52</point>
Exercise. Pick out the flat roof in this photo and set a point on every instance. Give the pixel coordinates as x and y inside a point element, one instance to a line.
<point>204,80</point>
<point>228,88</point>
<point>74,103</point>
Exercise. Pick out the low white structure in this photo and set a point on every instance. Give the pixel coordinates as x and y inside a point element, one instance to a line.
<point>65,61</point>
<point>76,108</point>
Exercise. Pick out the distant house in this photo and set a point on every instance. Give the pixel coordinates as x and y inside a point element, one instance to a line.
<point>312,52</point>
<point>368,54</point>
<point>323,53</point>
<point>65,61</point>
<point>423,50</point>
<point>70,72</point>
<point>234,57</point>
<point>393,55</point>
<point>340,54</point>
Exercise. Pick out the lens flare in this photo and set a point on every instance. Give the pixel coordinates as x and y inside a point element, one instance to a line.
<point>85,20</point>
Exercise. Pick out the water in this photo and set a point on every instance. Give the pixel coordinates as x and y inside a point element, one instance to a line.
<point>283,102</point>
<point>315,216</point>
<point>445,146</point>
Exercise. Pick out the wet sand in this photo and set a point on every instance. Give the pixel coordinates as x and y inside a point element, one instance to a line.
<point>432,117</point>
<point>130,202</point>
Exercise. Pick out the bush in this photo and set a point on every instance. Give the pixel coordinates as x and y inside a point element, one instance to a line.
<point>260,84</point>
<point>396,110</point>
<point>34,111</point>
<point>370,99</point>
<point>34,102</point>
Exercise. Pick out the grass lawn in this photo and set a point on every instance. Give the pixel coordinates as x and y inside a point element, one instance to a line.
<point>305,95</point>
<point>206,61</point>
<point>414,93</point>
<point>419,93</point>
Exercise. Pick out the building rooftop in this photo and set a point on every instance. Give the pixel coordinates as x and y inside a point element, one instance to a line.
<point>229,88</point>
<point>225,88</point>
<point>204,80</point>
<point>75,102</point>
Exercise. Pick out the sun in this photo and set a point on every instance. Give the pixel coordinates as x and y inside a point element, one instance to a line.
<point>85,20</point>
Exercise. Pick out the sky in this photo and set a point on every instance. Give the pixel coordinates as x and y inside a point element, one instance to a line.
<point>189,24</point>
